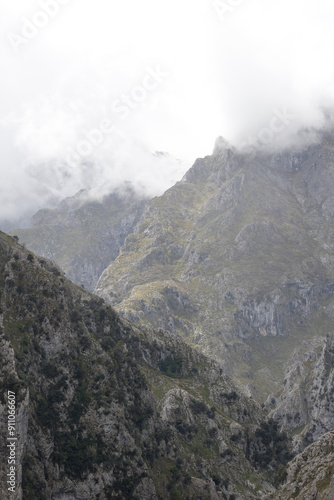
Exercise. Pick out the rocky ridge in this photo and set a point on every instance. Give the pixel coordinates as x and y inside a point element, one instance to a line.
<point>237,258</point>
<point>305,407</point>
<point>311,474</point>
<point>83,234</point>
<point>108,410</point>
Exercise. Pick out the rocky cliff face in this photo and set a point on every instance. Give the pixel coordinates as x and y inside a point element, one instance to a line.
<point>311,474</point>
<point>305,407</point>
<point>83,235</point>
<point>108,410</point>
<point>238,258</point>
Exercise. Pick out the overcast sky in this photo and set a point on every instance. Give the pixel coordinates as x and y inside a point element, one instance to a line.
<point>104,83</point>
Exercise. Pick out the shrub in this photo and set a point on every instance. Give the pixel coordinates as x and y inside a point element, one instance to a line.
<point>230,397</point>
<point>50,370</point>
<point>276,445</point>
<point>281,474</point>
<point>198,407</point>
<point>171,366</point>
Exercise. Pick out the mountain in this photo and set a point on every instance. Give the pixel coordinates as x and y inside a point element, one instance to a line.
<point>105,409</point>
<point>311,474</point>
<point>84,234</point>
<point>238,259</point>
<point>235,260</point>
<point>305,407</point>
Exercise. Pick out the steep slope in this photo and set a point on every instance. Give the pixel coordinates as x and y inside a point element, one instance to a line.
<point>83,235</point>
<point>107,410</point>
<point>238,258</point>
<point>305,407</point>
<point>311,474</point>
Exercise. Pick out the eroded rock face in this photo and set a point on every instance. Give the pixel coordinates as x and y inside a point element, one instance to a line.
<point>311,474</point>
<point>238,258</point>
<point>305,406</point>
<point>83,235</point>
<point>9,381</point>
<point>107,409</point>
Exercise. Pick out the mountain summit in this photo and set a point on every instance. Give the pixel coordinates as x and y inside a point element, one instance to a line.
<point>237,258</point>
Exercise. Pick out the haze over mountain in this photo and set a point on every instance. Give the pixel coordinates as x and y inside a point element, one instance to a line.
<point>83,234</point>
<point>222,72</point>
<point>44,186</point>
<point>237,258</point>
<point>203,366</point>
<point>106,408</point>
<point>239,252</point>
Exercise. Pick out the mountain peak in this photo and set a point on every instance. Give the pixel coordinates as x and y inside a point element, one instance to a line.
<point>220,145</point>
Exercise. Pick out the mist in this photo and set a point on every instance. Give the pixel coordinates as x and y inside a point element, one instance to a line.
<point>91,92</point>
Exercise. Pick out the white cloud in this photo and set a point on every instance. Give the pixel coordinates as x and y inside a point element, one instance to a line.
<point>225,78</point>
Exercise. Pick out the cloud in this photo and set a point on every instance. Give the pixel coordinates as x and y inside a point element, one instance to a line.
<point>278,56</point>
<point>227,75</point>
